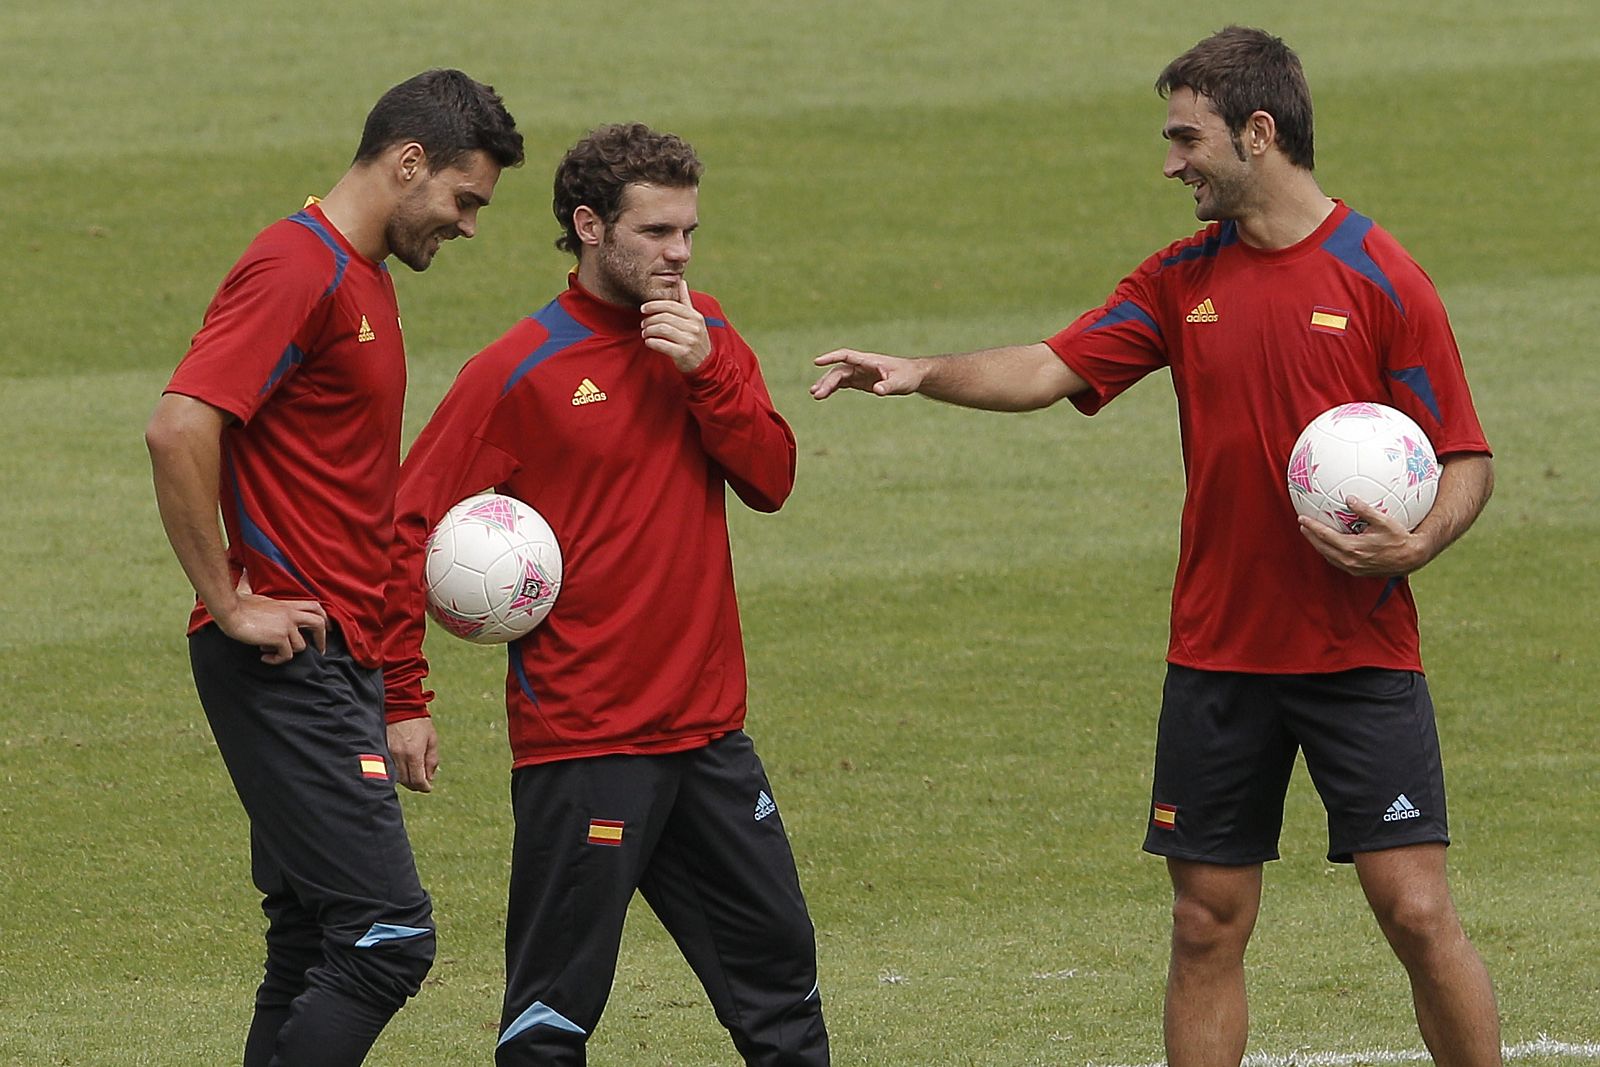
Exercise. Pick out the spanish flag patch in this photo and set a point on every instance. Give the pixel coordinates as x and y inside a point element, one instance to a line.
<point>373,766</point>
<point>1165,817</point>
<point>1329,320</point>
<point>605,832</point>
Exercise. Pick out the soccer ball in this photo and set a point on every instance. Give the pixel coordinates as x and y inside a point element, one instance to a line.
<point>493,569</point>
<point>1368,451</point>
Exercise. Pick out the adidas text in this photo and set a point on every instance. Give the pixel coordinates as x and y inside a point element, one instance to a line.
<point>587,393</point>
<point>1402,808</point>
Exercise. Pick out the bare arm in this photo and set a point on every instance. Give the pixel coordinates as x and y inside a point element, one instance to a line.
<point>1385,549</point>
<point>1013,378</point>
<point>184,437</point>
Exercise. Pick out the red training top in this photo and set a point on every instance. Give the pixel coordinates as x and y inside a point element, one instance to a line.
<point>302,345</point>
<point>627,458</point>
<point>1261,342</point>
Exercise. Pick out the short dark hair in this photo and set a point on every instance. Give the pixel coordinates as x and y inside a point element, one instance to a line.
<point>599,168</point>
<point>448,114</point>
<point>1241,71</point>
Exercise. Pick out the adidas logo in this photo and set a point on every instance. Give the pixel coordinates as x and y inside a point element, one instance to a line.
<point>588,393</point>
<point>1402,808</point>
<point>1203,312</point>
<point>764,806</point>
<point>365,333</point>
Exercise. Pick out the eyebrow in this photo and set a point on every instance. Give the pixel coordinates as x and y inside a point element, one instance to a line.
<point>1179,127</point>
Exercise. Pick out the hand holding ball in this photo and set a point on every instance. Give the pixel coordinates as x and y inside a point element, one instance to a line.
<point>1368,451</point>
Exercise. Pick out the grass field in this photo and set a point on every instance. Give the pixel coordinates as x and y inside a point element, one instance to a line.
<point>955,626</point>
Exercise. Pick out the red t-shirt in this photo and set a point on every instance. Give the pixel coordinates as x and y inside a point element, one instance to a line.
<point>1251,366</point>
<point>302,346</point>
<point>628,459</point>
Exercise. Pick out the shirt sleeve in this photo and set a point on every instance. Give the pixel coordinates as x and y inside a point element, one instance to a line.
<point>1426,377</point>
<point>246,348</point>
<point>450,460</point>
<point>739,427</point>
<point>1114,345</point>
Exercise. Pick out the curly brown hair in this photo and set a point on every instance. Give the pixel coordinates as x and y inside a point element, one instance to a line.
<point>1242,71</point>
<point>598,169</point>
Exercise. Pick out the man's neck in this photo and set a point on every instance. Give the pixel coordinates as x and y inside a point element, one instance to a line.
<point>1286,214</point>
<point>594,283</point>
<point>350,207</point>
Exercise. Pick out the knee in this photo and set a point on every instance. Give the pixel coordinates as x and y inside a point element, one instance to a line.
<point>794,942</point>
<point>541,1036</point>
<point>1202,927</point>
<point>386,971</point>
<point>1416,923</point>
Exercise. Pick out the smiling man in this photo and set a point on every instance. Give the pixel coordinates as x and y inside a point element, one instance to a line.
<point>1286,637</point>
<point>285,412</point>
<point>622,411</point>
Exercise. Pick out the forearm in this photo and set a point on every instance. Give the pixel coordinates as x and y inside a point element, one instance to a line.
<point>439,471</point>
<point>1012,378</point>
<point>1465,484</point>
<point>742,431</point>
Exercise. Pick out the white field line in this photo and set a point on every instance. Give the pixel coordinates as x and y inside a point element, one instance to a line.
<point>1541,1046</point>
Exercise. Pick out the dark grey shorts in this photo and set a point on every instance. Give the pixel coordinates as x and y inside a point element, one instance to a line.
<point>1226,746</point>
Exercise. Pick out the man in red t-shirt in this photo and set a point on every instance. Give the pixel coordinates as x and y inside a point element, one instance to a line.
<point>622,411</point>
<point>1285,635</point>
<point>286,412</point>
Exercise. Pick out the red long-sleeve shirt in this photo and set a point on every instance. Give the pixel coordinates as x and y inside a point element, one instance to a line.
<point>627,458</point>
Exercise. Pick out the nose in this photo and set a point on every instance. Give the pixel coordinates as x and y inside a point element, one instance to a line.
<point>469,222</point>
<point>1174,164</point>
<point>678,249</point>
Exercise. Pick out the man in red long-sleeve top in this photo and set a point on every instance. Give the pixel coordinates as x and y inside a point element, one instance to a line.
<point>621,411</point>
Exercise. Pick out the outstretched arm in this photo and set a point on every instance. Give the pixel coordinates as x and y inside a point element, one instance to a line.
<point>1385,549</point>
<point>1014,378</point>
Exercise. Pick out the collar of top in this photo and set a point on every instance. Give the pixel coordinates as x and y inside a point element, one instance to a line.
<point>600,314</point>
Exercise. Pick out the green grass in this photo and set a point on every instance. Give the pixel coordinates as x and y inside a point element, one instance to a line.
<point>954,627</point>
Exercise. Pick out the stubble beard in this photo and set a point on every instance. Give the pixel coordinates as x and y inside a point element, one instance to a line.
<point>626,281</point>
<point>409,238</point>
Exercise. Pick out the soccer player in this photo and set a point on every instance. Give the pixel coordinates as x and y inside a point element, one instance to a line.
<point>286,411</point>
<point>1285,635</point>
<point>622,410</point>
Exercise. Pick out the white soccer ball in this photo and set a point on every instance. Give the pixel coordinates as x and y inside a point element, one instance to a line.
<point>1369,451</point>
<point>493,569</point>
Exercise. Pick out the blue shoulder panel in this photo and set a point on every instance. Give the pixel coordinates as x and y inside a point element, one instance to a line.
<point>1125,312</point>
<point>563,332</point>
<point>341,258</point>
<point>1227,235</point>
<point>1345,245</point>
